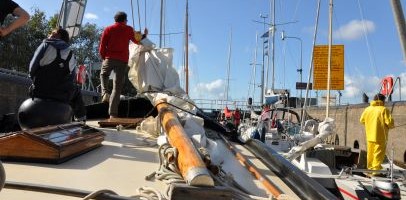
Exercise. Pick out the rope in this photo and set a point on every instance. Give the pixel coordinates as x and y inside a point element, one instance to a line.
<point>145,13</point>
<point>239,193</point>
<point>97,193</point>
<point>132,12</point>
<point>364,30</point>
<point>168,169</point>
<point>148,193</point>
<point>139,14</point>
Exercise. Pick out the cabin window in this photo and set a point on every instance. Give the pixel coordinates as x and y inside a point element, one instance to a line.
<point>356,144</point>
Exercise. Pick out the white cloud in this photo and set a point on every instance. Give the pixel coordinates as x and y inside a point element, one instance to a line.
<point>91,16</point>
<point>212,90</point>
<point>354,29</point>
<point>192,48</point>
<point>356,85</point>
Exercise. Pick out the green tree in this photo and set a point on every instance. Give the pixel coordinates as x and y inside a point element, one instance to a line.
<point>18,48</point>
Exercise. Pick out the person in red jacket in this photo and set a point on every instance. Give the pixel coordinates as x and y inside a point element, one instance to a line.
<point>114,51</point>
<point>237,117</point>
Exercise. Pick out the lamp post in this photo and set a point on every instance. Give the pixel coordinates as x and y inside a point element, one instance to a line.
<point>300,70</point>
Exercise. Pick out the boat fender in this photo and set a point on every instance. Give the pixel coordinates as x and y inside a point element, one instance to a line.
<point>36,112</point>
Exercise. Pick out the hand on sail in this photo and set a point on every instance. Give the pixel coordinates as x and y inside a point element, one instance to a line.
<point>138,36</point>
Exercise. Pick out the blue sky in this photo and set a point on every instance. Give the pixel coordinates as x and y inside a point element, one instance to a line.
<point>366,29</point>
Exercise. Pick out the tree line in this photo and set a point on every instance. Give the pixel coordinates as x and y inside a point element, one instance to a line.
<point>17,49</point>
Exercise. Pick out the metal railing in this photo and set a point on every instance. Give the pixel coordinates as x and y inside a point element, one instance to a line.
<point>216,104</point>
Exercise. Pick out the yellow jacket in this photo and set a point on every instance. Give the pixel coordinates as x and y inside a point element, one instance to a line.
<point>377,120</point>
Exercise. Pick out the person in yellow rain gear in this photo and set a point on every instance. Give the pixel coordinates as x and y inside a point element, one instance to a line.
<point>377,121</point>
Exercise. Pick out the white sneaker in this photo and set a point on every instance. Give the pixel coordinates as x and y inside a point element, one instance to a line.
<point>105,98</point>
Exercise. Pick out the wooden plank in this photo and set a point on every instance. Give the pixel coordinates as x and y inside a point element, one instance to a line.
<point>185,192</point>
<point>190,164</point>
<point>127,122</point>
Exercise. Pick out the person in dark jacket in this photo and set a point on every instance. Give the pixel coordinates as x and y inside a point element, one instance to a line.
<point>52,71</point>
<point>10,7</point>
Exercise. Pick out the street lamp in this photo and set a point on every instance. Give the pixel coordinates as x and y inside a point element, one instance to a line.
<point>300,70</point>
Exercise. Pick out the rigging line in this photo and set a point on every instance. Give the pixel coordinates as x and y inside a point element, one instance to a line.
<point>296,10</point>
<point>303,111</point>
<point>193,58</point>
<point>364,29</point>
<point>145,13</point>
<point>132,13</point>
<point>139,14</point>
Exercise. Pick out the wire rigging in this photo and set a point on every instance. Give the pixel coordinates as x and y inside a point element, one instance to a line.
<point>132,13</point>
<point>139,14</point>
<point>364,28</point>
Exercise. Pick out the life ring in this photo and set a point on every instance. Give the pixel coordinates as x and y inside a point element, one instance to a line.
<point>387,86</point>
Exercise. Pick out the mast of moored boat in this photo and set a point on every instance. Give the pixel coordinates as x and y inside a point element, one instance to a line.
<point>187,49</point>
<point>161,24</point>
<point>400,24</point>
<point>228,68</point>
<point>330,40</point>
<point>304,107</point>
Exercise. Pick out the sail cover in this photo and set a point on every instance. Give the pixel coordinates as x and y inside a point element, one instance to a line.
<point>151,69</point>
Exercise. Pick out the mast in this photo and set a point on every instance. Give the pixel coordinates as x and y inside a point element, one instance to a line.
<point>400,24</point>
<point>229,66</point>
<point>273,47</point>
<point>303,115</point>
<point>330,40</point>
<point>263,63</point>
<point>187,48</point>
<point>161,24</point>
<point>255,65</point>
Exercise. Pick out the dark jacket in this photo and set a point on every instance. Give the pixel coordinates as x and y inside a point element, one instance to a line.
<point>52,70</point>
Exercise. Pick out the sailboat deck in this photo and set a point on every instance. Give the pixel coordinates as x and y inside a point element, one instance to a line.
<point>120,165</point>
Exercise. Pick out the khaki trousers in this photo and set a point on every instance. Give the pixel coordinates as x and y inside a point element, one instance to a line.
<point>119,68</point>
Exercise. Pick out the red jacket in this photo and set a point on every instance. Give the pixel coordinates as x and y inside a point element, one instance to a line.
<point>115,40</point>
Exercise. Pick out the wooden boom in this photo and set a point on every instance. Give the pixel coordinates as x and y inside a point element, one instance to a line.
<point>190,164</point>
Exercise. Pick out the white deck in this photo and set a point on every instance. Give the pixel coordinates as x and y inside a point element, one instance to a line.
<point>119,165</point>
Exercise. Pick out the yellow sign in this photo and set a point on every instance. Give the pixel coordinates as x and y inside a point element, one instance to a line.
<point>320,63</point>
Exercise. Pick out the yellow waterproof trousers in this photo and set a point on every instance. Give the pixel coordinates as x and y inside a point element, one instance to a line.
<point>375,155</point>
